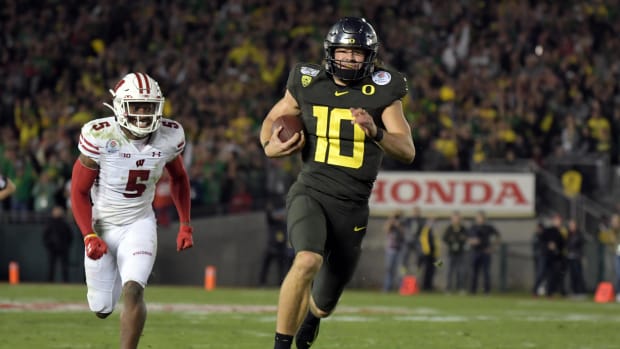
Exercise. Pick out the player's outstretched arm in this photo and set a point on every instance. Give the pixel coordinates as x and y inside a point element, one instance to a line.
<point>180,192</point>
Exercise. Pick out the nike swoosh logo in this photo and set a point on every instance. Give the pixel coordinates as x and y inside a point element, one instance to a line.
<point>340,93</point>
<point>356,228</point>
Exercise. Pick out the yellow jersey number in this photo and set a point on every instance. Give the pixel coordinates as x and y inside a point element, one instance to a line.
<point>328,126</point>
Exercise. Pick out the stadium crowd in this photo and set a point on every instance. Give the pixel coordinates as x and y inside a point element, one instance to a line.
<point>490,80</point>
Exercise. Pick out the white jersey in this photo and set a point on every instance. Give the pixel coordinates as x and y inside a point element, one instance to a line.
<point>128,170</point>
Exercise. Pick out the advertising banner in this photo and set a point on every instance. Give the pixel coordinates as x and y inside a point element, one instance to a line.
<point>498,194</point>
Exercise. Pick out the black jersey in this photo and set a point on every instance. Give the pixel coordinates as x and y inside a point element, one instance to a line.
<point>338,158</point>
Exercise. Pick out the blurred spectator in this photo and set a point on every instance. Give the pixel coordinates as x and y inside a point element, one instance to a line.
<point>7,187</point>
<point>455,238</point>
<point>615,228</point>
<point>57,238</point>
<point>572,142</point>
<point>411,246</point>
<point>429,253</point>
<point>483,239</point>
<point>575,243</point>
<point>394,231</point>
<point>479,88</point>
<point>277,250</point>
<point>45,191</point>
<point>538,253</point>
<point>599,127</point>
<point>554,244</point>
<point>609,235</point>
<point>25,178</point>
<point>604,239</point>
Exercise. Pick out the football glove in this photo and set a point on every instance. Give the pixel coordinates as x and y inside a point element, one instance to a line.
<point>184,238</point>
<point>95,247</point>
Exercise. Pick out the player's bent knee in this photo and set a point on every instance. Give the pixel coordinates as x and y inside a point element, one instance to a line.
<point>310,261</point>
<point>133,291</point>
<point>102,315</point>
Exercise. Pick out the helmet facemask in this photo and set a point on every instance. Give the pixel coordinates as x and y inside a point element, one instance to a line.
<point>339,69</point>
<point>139,121</point>
<point>138,104</point>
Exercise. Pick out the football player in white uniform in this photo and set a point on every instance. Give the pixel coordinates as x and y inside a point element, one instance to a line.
<point>122,158</point>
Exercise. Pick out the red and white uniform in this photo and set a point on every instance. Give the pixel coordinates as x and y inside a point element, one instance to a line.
<point>128,170</point>
<point>122,199</point>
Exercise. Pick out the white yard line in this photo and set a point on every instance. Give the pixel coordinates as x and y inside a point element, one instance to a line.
<point>344,313</point>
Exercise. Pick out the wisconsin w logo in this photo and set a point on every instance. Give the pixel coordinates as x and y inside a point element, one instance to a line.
<point>140,163</point>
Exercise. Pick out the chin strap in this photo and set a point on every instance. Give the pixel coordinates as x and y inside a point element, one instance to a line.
<point>107,104</point>
<point>349,74</point>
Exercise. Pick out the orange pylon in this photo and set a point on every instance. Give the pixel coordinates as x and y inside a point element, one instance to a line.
<point>604,292</point>
<point>13,273</point>
<point>210,275</point>
<point>409,286</point>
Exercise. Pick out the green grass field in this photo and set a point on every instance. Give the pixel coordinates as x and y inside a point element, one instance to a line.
<point>56,316</point>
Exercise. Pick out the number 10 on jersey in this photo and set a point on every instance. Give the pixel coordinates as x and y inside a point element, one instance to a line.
<point>328,145</point>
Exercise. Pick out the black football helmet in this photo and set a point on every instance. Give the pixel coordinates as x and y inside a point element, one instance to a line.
<point>351,32</point>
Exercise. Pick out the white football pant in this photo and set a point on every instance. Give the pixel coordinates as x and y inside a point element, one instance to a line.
<point>131,254</point>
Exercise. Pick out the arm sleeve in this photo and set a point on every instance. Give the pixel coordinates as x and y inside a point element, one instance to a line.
<point>179,188</point>
<point>82,179</point>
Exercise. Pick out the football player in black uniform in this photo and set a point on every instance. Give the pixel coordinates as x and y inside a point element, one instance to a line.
<point>352,114</point>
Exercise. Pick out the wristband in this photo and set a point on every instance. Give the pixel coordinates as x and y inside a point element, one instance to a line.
<point>379,135</point>
<point>90,236</point>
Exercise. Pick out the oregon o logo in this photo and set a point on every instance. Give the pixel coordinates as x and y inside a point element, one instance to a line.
<point>368,90</point>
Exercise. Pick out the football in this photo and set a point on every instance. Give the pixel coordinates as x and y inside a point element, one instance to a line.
<point>291,124</point>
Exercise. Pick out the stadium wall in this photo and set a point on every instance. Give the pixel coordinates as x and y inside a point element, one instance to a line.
<point>235,244</point>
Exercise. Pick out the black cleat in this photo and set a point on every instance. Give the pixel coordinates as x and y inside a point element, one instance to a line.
<point>306,335</point>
